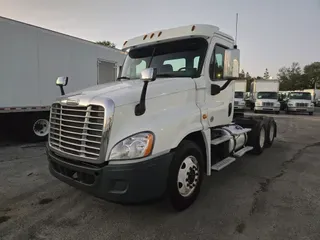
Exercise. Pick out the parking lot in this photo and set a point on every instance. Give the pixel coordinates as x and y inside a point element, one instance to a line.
<point>273,196</point>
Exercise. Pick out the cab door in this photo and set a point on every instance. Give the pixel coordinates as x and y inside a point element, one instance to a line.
<point>220,106</point>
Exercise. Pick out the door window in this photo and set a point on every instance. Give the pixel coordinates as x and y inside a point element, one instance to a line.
<point>216,63</point>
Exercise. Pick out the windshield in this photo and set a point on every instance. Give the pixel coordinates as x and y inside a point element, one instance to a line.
<point>267,95</point>
<point>182,58</point>
<point>300,95</point>
<point>238,95</point>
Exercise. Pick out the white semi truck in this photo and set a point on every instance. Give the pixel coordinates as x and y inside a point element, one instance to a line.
<point>240,87</point>
<point>264,95</point>
<point>299,101</point>
<point>31,58</point>
<point>315,94</point>
<point>167,122</point>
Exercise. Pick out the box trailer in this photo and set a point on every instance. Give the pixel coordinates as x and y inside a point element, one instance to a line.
<point>31,58</point>
<point>315,94</point>
<point>264,95</point>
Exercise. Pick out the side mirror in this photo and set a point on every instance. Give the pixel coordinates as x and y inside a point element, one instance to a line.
<point>215,89</point>
<point>62,81</point>
<point>149,74</point>
<point>231,64</point>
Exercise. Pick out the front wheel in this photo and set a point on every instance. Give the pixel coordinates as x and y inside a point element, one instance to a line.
<point>185,176</point>
<point>310,113</point>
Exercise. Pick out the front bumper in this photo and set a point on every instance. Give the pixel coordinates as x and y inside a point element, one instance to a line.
<point>239,107</point>
<point>125,183</point>
<point>300,109</point>
<point>269,109</point>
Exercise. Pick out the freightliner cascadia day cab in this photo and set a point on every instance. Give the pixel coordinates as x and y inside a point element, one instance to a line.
<point>165,124</point>
<point>239,95</point>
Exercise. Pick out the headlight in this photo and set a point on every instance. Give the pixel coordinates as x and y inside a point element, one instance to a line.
<point>258,103</point>
<point>311,105</point>
<point>277,104</point>
<point>136,146</point>
<point>242,103</point>
<point>290,104</point>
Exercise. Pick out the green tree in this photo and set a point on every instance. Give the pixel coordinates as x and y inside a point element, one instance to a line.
<point>312,75</point>
<point>249,81</point>
<point>107,44</point>
<point>242,74</point>
<point>291,78</point>
<point>266,74</point>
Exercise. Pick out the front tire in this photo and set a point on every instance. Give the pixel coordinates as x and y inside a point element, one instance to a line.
<point>310,113</point>
<point>185,176</point>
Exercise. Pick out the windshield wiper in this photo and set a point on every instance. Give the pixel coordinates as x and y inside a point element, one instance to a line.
<point>123,77</point>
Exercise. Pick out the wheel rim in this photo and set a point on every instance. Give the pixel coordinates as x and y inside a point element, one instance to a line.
<point>271,133</point>
<point>188,176</point>
<point>41,127</point>
<point>262,137</point>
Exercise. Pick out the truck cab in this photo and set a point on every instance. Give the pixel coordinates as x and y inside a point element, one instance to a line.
<point>165,123</point>
<point>264,95</point>
<point>299,102</point>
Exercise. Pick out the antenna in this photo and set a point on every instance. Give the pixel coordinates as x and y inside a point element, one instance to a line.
<point>236,38</point>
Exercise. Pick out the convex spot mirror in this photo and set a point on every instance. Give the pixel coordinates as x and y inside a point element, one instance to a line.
<point>149,74</point>
<point>62,81</point>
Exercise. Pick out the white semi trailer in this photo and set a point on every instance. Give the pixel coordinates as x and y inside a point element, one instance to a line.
<point>264,95</point>
<point>163,127</point>
<point>31,58</point>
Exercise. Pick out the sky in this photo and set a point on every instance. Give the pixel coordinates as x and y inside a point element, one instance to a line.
<point>271,33</point>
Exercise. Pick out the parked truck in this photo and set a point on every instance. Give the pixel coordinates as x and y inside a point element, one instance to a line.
<point>315,94</point>
<point>239,95</point>
<point>299,101</point>
<point>31,58</point>
<point>264,95</point>
<point>165,125</point>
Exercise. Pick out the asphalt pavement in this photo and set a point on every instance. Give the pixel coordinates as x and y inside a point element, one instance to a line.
<point>271,196</point>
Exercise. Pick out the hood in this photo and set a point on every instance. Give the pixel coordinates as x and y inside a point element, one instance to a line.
<point>129,91</point>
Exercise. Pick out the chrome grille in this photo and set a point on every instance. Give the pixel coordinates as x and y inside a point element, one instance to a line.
<point>236,103</point>
<point>302,104</point>
<point>267,104</point>
<point>77,130</point>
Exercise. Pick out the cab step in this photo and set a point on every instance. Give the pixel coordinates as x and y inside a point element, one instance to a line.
<point>242,151</point>
<point>222,164</point>
<point>225,138</point>
<point>222,139</point>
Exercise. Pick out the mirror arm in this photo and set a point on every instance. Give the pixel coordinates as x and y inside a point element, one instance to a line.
<point>61,90</point>
<point>224,86</point>
<point>141,106</point>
